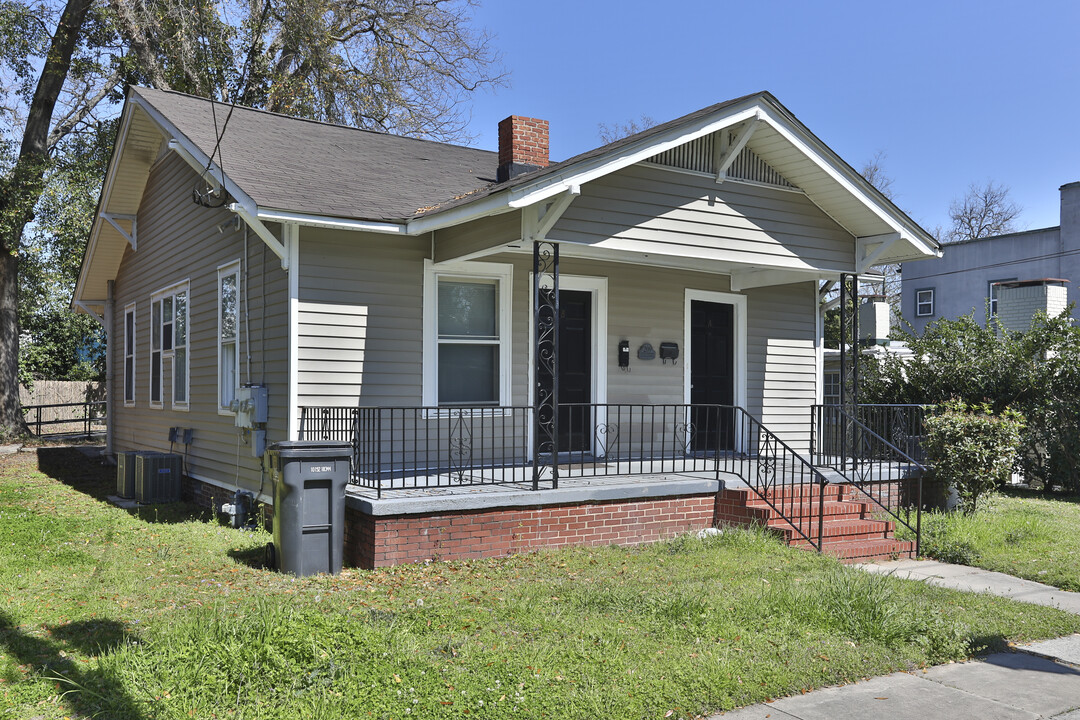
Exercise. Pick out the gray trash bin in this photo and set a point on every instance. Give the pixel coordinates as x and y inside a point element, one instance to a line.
<point>309,505</point>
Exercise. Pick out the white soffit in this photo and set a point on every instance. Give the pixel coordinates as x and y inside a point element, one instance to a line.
<point>139,143</point>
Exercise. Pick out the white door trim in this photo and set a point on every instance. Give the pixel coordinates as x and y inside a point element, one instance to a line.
<point>724,298</point>
<point>598,286</point>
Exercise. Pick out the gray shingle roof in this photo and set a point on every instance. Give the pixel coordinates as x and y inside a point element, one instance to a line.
<point>288,163</point>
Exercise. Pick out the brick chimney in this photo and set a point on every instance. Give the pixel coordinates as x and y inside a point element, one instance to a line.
<point>523,146</point>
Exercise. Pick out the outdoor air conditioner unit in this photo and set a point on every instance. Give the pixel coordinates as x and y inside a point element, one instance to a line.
<point>125,474</point>
<point>157,477</point>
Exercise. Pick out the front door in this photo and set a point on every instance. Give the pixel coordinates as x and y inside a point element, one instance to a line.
<point>575,370</point>
<point>712,375</point>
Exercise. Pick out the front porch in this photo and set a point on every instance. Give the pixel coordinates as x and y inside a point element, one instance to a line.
<point>461,482</point>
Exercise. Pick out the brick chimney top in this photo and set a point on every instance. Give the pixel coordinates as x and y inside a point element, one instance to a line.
<point>523,146</point>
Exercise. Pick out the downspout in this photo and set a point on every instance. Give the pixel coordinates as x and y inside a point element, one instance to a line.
<point>110,301</point>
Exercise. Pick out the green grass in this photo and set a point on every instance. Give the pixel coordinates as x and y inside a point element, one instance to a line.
<point>1019,533</point>
<point>161,614</point>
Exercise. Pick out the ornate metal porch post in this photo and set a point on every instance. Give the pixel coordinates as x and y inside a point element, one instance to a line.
<point>849,360</point>
<point>546,351</point>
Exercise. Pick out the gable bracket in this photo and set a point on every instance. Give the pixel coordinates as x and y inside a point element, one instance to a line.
<point>263,232</point>
<point>871,248</point>
<point>85,306</point>
<point>726,155</point>
<point>132,237</point>
<point>536,226</point>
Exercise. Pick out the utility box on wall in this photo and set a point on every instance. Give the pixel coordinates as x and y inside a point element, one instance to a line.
<point>157,477</point>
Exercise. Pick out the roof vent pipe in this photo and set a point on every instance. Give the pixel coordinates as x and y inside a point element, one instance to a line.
<point>523,146</point>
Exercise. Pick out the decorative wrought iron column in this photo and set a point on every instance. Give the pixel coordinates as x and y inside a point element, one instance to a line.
<point>849,363</point>
<point>546,373</point>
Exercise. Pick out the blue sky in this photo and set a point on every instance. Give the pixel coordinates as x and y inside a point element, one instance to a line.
<point>951,92</point>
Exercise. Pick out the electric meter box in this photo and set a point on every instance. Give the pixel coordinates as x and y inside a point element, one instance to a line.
<point>250,406</point>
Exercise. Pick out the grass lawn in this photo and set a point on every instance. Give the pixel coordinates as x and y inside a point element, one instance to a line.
<point>1020,533</point>
<point>161,614</point>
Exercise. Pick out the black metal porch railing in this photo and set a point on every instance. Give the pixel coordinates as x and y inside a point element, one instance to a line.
<point>878,468</point>
<point>396,448</point>
<point>81,418</point>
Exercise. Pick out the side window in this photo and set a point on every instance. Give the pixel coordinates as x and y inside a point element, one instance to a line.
<point>129,354</point>
<point>228,330</point>
<point>168,339</point>
<point>924,302</point>
<point>155,353</point>
<point>831,392</point>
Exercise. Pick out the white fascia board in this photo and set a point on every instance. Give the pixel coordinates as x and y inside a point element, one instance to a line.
<point>747,279</point>
<point>629,155</point>
<point>820,154</point>
<point>325,221</point>
<point>106,191</point>
<point>494,204</point>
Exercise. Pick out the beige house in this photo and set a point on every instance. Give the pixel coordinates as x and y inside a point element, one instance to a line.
<point>384,290</point>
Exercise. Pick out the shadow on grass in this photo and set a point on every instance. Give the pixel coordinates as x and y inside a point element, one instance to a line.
<point>91,476</point>
<point>256,557</point>
<point>86,692</point>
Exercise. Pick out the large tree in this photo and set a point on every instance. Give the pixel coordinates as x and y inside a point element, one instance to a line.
<point>403,66</point>
<point>984,211</point>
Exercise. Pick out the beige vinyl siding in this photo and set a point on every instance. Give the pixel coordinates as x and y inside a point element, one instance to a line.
<point>460,240</point>
<point>360,318</point>
<point>645,208</point>
<point>179,241</point>
<point>782,363</point>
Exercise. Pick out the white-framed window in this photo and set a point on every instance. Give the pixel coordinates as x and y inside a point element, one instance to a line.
<point>992,290</point>
<point>169,314</point>
<point>228,334</point>
<point>830,394</point>
<point>467,334</point>
<point>129,355</point>
<point>924,302</point>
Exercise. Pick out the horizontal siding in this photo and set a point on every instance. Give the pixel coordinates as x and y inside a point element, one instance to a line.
<point>178,241</point>
<point>647,209</point>
<point>782,361</point>
<point>460,240</point>
<point>360,318</point>
<point>361,342</point>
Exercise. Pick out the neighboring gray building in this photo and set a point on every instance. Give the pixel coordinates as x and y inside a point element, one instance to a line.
<point>963,279</point>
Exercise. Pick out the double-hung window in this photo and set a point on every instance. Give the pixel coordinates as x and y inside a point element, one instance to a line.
<point>467,334</point>
<point>129,354</point>
<point>168,340</point>
<point>924,302</point>
<point>228,332</point>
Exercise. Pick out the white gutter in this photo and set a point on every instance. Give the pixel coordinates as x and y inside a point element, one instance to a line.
<point>326,221</point>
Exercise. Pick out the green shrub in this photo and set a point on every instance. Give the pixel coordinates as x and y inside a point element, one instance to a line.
<point>972,449</point>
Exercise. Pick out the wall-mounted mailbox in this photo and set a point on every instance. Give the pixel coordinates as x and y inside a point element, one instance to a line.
<point>624,353</point>
<point>669,351</point>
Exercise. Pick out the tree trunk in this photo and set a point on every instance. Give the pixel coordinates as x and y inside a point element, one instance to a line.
<point>22,189</point>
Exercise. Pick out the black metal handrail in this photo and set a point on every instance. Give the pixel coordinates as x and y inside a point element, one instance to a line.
<point>397,448</point>
<point>880,470</point>
<point>92,412</point>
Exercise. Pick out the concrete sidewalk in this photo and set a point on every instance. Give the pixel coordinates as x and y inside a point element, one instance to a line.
<point>1041,680</point>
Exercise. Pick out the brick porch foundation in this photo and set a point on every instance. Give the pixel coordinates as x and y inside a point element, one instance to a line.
<point>372,541</point>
